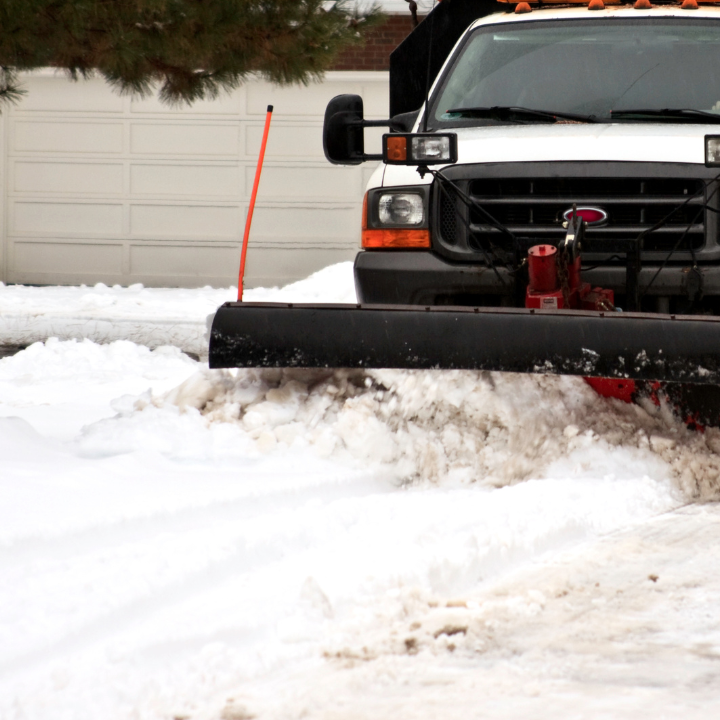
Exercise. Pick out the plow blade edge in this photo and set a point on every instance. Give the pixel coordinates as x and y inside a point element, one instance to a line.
<point>623,345</point>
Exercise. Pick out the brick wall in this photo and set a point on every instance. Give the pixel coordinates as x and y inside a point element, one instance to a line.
<point>381,41</point>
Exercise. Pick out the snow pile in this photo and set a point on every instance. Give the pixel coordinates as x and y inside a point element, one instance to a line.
<point>453,426</point>
<point>86,361</point>
<point>179,542</point>
<point>333,284</point>
<point>148,316</point>
<point>60,386</point>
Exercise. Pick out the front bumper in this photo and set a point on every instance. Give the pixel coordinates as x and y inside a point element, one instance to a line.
<point>639,346</point>
<point>415,277</point>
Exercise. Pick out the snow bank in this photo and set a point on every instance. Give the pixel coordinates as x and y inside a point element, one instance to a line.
<point>59,386</point>
<point>170,556</point>
<point>148,316</point>
<point>178,542</point>
<point>453,427</point>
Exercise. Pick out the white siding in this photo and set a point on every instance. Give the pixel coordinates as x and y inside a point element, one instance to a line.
<point>96,187</point>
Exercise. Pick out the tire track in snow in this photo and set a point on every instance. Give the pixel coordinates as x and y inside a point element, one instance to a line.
<point>621,627</point>
<point>228,528</point>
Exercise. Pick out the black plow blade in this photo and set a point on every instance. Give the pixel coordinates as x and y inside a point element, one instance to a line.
<point>567,342</point>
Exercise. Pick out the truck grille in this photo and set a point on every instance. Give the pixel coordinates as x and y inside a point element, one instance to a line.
<point>533,208</point>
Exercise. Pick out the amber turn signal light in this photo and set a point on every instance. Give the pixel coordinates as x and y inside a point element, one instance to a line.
<point>396,149</point>
<point>394,238</point>
<point>420,149</point>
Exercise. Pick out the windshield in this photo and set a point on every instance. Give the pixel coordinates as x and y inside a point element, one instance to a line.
<point>583,67</point>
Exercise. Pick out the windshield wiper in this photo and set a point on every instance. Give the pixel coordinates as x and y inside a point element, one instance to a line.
<point>682,114</point>
<point>520,114</point>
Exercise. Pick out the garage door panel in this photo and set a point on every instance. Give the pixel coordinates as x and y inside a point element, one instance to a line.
<point>168,139</point>
<point>287,141</point>
<point>294,101</point>
<point>267,264</point>
<point>189,180</point>
<point>225,104</point>
<point>69,258</point>
<point>162,192</point>
<point>291,225</point>
<point>201,222</point>
<point>67,218</point>
<point>179,261</point>
<point>376,99</point>
<point>317,183</point>
<point>59,94</point>
<point>83,178</point>
<point>67,137</point>
<point>298,100</point>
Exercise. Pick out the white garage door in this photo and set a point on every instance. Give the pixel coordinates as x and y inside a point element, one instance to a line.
<point>102,188</point>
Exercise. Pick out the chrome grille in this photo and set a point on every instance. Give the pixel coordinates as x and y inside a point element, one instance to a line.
<point>533,208</point>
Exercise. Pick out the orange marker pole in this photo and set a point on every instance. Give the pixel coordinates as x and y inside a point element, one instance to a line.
<point>251,209</point>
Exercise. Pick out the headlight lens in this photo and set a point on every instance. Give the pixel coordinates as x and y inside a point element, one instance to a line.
<point>401,209</point>
<point>431,148</point>
<point>420,149</point>
<point>712,150</point>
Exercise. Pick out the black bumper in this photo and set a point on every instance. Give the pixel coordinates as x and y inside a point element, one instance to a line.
<point>417,277</point>
<point>568,342</point>
<point>399,277</point>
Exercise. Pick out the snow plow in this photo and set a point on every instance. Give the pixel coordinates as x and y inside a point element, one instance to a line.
<point>549,206</point>
<point>636,346</point>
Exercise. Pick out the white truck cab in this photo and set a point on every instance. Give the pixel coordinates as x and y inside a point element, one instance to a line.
<point>612,111</point>
<point>564,166</point>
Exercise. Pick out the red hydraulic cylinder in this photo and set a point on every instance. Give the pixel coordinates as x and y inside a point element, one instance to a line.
<point>573,270</point>
<point>542,268</point>
<point>543,291</point>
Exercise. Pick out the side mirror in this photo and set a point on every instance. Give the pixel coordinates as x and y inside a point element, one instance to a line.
<point>343,140</point>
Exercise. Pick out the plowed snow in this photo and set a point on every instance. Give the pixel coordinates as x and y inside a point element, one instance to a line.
<point>456,426</point>
<point>180,543</point>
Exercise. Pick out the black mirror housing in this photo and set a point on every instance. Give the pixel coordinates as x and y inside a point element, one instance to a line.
<point>343,140</point>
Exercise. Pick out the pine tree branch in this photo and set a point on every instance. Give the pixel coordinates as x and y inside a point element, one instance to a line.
<point>192,49</point>
<point>10,92</point>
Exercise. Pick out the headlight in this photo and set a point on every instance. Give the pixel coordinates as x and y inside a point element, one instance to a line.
<point>431,149</point>
<point>712,150</point>
<point>420,149</point>
<point>401,209</point>
<point>396,217</point>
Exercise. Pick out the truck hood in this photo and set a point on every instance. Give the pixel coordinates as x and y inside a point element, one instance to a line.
<point>629,142</point>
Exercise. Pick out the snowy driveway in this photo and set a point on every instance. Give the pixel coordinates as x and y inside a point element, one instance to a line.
<point>179,543</point>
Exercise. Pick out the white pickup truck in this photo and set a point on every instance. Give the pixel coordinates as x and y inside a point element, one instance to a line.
<point>564,166</point>
<point>613,109</point>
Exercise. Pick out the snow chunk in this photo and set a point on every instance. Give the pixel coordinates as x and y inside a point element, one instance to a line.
<point>455,426</point>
